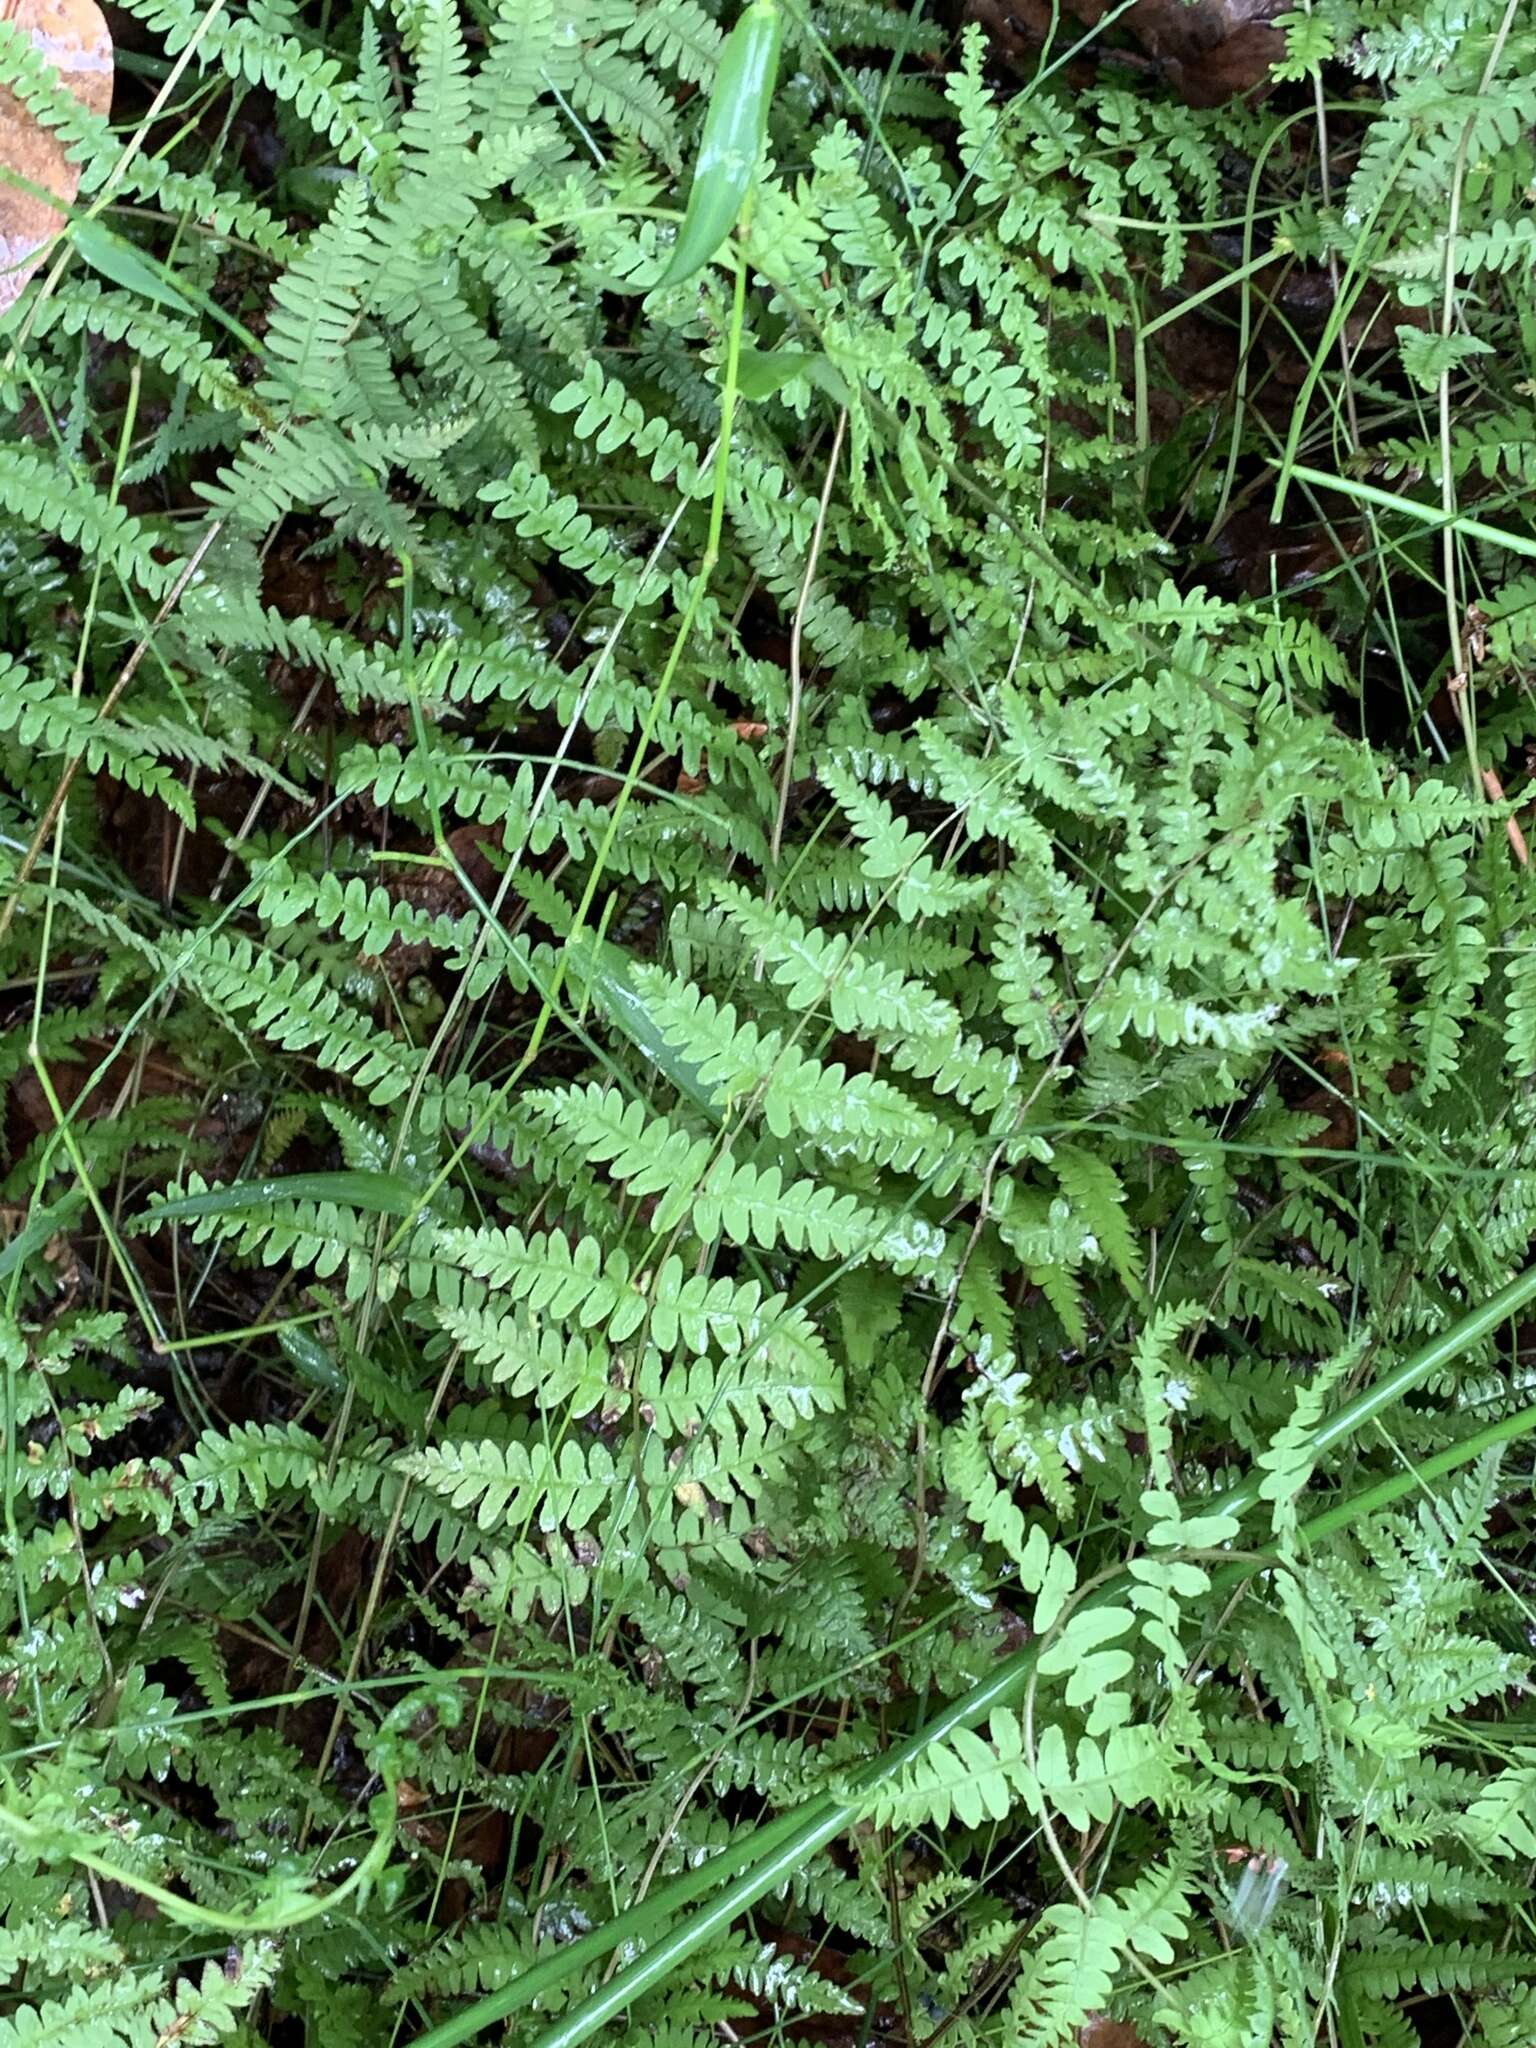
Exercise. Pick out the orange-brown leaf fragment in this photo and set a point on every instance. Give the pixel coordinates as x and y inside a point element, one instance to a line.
<point>1100,2031</point>
<point>72,37</point>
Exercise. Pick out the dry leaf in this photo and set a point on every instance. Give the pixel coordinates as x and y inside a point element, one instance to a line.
<point>1100,2031</point>
<point>1251,555</point>
<point>1210,51</point>
<point>71,35</point>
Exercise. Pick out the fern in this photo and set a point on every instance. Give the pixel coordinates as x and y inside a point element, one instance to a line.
<point>908,1020</point>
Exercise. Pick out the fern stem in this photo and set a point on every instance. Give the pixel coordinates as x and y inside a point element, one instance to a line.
<point>784,1845</point>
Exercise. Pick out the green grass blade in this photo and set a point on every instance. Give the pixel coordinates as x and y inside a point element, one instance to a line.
<point>1412,508</point>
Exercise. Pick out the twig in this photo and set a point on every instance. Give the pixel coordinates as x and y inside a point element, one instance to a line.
<point>1495,789</point>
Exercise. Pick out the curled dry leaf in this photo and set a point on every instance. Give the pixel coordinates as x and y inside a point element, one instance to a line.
<point>71,35</point>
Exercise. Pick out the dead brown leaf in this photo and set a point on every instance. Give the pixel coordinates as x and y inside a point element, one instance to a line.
<point>1100,2031</point>
<point>71,35</point>
<point>1251,555</point>
<point>1210,51</point>
<point>125,1080</point>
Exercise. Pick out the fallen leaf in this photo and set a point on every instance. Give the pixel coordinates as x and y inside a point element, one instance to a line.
<point>1251,555</point>
<point>126,1077</point>
<point>70,35</point>
<point>1210,51</point>
<point>1100,2031</point>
